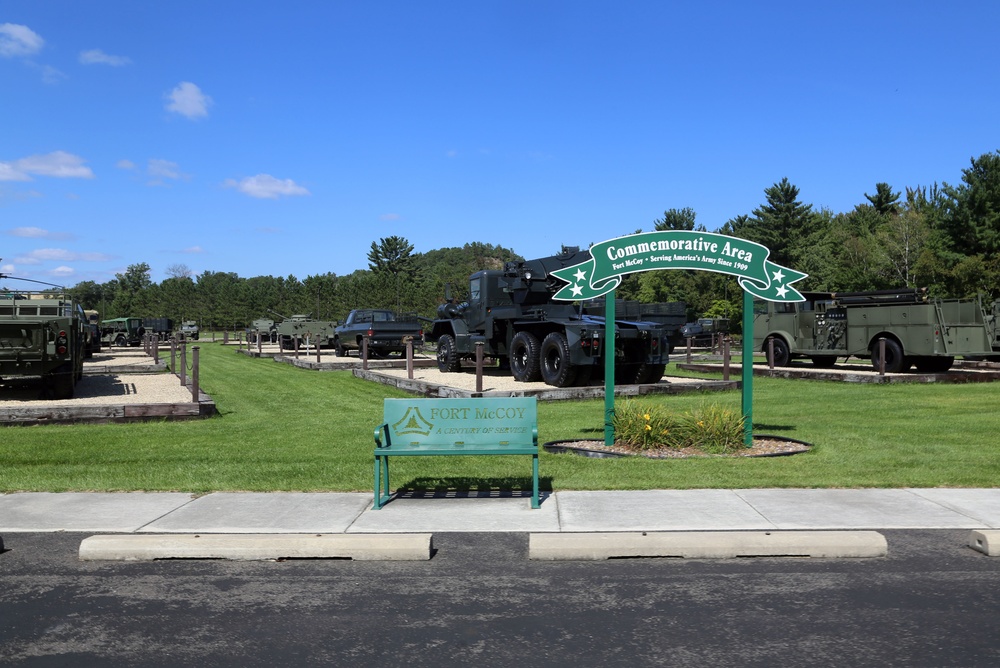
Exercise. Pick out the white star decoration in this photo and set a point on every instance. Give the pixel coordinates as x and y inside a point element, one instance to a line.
<point>579,275</point>
<point>778,276</point>
<point>576,289</point>
<point>782,291</point>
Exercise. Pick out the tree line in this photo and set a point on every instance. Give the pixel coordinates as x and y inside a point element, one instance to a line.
<point>945,237</point>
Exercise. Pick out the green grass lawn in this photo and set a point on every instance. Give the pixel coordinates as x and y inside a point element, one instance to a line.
<point>284,428</point>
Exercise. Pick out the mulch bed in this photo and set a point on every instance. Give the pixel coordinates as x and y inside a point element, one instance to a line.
<point>763,446</point>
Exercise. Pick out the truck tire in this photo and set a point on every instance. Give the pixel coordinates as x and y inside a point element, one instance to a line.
<point>120,341</point>
<point>554,364</point>
<point>338,349</point>
<point>650,373</point>
<point>60,382</point>
<point>895,361</point>
<point>447,356</point>
<point>524,354</point>
<point>781,354</point>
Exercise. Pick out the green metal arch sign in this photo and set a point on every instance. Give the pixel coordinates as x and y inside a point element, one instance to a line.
<point>679,249</point>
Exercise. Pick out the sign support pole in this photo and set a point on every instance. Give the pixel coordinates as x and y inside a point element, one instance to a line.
<point>747,369</point>
<point>609,368</point>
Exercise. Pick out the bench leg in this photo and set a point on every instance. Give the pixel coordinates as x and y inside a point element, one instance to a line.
<point>535,503</point>
<point>381,482</point>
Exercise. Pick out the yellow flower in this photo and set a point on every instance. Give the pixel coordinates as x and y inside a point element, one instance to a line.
<point>701,423</point>
<point>648,428</point>
<point>646,416</point>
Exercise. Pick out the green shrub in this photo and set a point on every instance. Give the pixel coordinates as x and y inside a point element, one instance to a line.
<point>647,426</point>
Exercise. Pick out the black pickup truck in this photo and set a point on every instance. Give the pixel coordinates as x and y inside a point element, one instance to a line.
<point>387,332</point>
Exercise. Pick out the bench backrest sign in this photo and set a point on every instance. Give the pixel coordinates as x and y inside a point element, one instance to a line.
<point>479,422</point>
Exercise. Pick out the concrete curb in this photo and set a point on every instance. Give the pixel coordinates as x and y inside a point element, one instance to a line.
<point>987,542</point>
<point>707,544</point>
<point>257,547</point>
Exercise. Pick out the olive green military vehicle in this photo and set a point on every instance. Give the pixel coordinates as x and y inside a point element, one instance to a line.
<point>307,331</point>
<point>190,330</point>
<point>42,338</point>
<point>263,329</point>
<point>122,332</point>
<point>918,330</point>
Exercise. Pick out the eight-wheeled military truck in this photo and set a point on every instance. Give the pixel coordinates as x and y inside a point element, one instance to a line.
<point>918,330</point>
<point>512,313</point>
<point>387,332</point>
<point>42,337</point>
<point>307,331</point>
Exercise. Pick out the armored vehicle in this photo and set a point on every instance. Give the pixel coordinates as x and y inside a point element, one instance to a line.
<point>122,331</point>
<point>306,331</point>
<point>918,330</point>
<point>42,337</point>
<point>387,332</point>
<point>512,313</point>
<point>263,329</point>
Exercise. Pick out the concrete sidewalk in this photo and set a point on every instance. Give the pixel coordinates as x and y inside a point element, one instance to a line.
<point>569,512</point>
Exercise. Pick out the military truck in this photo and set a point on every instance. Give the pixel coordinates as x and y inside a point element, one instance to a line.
<point>122,332</point>
<point>162,327</point>
<point>918,330</point>
<point>42,337</point>
<point>307,331</point>
<point>190,330</point>
<point>704,331</point>
<point>387,332</point>
<point>670,315</point>
<point>512,313</point>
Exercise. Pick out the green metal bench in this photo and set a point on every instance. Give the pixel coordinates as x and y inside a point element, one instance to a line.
<point>444,427</point>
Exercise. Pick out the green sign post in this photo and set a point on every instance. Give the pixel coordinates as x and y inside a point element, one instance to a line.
<point>680,249</point>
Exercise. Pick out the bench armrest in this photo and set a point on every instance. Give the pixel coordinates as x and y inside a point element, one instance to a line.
<point>378,435</point>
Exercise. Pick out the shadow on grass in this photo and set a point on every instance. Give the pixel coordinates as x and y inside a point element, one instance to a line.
<point>463,487</point>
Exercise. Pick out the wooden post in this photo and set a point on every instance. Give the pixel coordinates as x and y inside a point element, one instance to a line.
<point>295,346</point>
<point>225,337</point>
<point>689,350</point>
<point>881,356</point>
<point>364,353</point>
<point>770,353</point>
<point>194,373</point>
<point>259,344</point>
<point>409,357</point>
<point>479,366</point>
<point>156,348</point>
<point>317,351</point>
<point>725,358</point>
<point>173,355</point>
<point>183,373</point>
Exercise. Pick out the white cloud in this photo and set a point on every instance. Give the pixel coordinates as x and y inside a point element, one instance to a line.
<point>51,75</point>
<point>125,164</point>
<point>98,57</point>
<point>59,164</point>
<point>7,269</point>
<point>59,255</point>
<point>18,40</point>
<point>193,250</point>
<point>389,216</point>
<point>37,233</point>
<point>188,101</point>
<point>265,186</point>
<point>62,271</point>
<point>159,169</point>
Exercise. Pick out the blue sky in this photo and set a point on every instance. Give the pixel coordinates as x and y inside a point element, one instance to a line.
<point>284,138</point>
